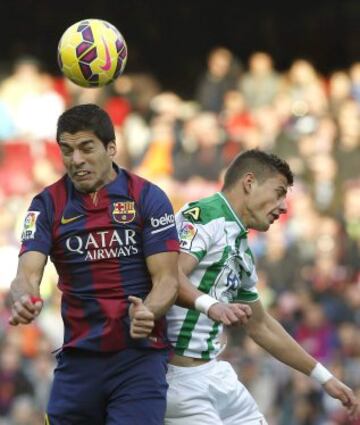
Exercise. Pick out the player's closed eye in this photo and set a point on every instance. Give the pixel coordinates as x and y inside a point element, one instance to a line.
<point>66,152</point>
<point>280,194</point>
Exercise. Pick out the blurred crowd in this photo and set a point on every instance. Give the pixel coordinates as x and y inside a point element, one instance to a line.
<point>308,263</point>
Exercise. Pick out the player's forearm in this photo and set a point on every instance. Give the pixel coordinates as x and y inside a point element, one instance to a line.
<point>273,338</point>
<point>162,296</point>
<point>188,293</point>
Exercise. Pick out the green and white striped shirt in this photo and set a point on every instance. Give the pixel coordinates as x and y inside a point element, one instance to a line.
<point>210,231</point>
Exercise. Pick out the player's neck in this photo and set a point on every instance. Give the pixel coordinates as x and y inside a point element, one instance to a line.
<point>237,204</point>
<point>108,179</point>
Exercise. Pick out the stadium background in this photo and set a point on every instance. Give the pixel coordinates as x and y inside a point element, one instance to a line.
<point>179,125</point>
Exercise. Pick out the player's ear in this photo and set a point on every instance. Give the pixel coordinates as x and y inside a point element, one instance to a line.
<point>248,182</point>
<point>111,148</point>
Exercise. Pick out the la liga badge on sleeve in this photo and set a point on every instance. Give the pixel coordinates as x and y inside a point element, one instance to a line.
<point>187,234</point>
<point>29,229</point>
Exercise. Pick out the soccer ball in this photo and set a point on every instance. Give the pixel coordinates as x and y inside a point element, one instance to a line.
<point>92,53</point>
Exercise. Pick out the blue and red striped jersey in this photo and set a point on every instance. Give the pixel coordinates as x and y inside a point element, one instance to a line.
<point>99,246</point>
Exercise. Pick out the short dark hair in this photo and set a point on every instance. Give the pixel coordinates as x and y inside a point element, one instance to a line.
<point>260,163</point>
<point>87,117</point>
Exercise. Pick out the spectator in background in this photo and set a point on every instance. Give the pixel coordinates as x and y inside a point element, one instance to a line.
<point>355,81</point>
<point>165,130</point>
<point>38,111</point>
<point>221,75</point>
<point>7,127</point>
<point>347,152</point>
<point>302,225</point>
<point>339,90</point>
<point>351,221</point>
<point>316,334</point>
<point>22,82</point>
<point>280,259</point>
<point>324,185</point>
<point>139,91</point>
<point>306,89</point>
<point>29,96</point>
<point>236,117</point>
<point>157,162</point>
<point>261,83</point>
<point>206,160</point>
<point>25,412</point>
<point>13,380</point>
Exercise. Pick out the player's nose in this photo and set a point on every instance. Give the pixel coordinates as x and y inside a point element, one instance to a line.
<point>77,157</point>
<point>283,207</point>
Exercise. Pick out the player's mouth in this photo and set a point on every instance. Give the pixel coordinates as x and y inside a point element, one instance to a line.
<point>81,175</point>
<point>273,217</point>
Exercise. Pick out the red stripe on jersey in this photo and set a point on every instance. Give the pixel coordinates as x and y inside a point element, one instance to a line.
<point>135,186</point>
<point>114,307</point>
<point>160,331</point>
<point>172,245</point>
<point>73,312</point>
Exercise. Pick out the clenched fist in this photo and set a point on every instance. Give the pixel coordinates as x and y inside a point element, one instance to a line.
<point>142,320</point>
<point>230,314</point>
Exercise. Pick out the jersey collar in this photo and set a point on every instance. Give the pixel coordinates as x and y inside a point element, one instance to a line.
<point>232,212</point>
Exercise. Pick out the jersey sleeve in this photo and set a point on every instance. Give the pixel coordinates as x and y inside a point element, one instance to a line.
<point>195,237</point>
<point>37,228</point>
<point>159,232</point>
<point>248,291</point>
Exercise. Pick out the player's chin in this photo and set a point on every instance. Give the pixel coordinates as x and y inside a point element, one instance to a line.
<point>84,187</point>
<point>262,227</point>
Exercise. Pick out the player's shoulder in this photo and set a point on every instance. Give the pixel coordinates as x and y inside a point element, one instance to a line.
<point>147,195</point>
<point>133,178</point>
<point>60,183</point>
<point>139,185</point>
<point>54,190</point>
<point>204,210</point>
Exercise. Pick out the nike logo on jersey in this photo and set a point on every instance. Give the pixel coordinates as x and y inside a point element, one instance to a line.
<point>107,65</point>
<point>70,219</point>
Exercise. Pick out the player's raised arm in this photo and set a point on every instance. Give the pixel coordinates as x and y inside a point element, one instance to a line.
<point>25,295</point>
<point>272,337</point>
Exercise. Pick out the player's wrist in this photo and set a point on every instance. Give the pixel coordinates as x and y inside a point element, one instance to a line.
<point>321,374</point>
<point>204,302</point>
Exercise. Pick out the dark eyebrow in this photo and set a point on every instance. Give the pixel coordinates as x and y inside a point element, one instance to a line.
<point>85,143</point>
<point>82,144</point>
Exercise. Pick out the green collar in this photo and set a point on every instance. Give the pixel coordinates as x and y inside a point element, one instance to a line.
<point>232,212</point>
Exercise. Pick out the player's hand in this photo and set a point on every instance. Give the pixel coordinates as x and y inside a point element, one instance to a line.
<point>25,310</point>
<point>142,320</point>
<point>338,390</point>
<point>230,314</point>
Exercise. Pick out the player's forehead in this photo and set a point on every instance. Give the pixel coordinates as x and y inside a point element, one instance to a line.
<point>281,181</point>
<point>78,138</point>
<point>277,181</point>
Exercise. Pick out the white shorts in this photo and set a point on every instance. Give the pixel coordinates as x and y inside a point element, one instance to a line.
<point>209,394</point>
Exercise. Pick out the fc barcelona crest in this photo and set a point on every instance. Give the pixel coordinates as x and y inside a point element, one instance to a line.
<point>124,212</point>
